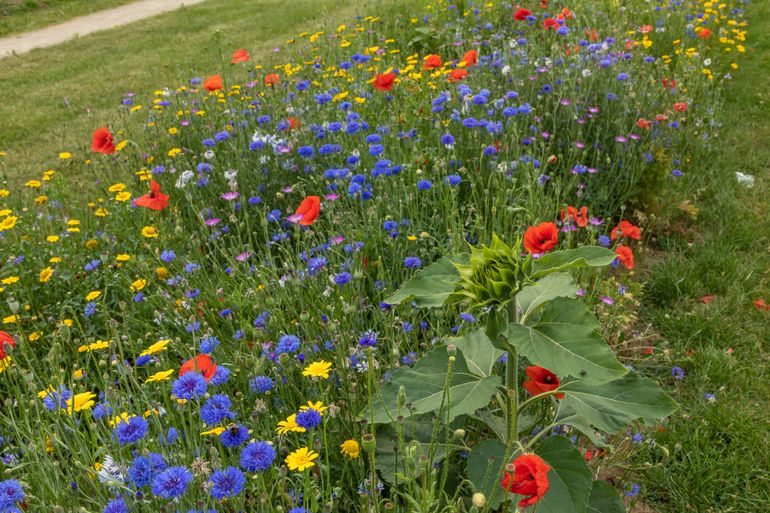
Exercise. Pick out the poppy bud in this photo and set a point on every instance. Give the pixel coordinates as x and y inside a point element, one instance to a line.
<point>369,443</point>
<point>479,500</point>
<point>451,349</point>
<point>459,434</point>
<point>553,159</point>
<point>401,396</point>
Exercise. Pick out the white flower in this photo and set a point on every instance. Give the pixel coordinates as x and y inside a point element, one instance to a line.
<point>184,178</point>
<point>744,179</point>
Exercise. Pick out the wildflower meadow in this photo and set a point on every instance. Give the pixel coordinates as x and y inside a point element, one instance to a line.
<point>388,268</point>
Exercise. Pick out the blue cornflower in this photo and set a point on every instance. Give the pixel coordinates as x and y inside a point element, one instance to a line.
<point>221,375</point>
<point>390,225</point>
<point>216,409</point>
<point>412,262</point>
<point>453,180</point>
<point>467,317</point>
<point>309,418</point>
<point>114,506</point>
<point>604,241</point>
<point>191,385</point>
<point>342,278</point>
<point>257,456</point>
<point>677,372</point>
<point>234,436</point>
<point>142,471</point>
<point>208,344</point>
<point>132,430</point>
<point>633,491</point>
<point>90,309</point>
<point>424,185</point>
<point>11,493</point>
<point>368,339</point>
<point>167,256</point>
<point>172,482</point>
<point>288,344</point>
<point>57,399</point>
<point>226,483</point>
<point>261,384</point>
<point>447,140</point>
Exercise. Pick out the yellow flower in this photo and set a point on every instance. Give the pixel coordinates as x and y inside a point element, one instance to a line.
<point>78,374</point>
<point>10,280</point>
<point>52,238</point>
<point>160,376</point>
<point>41,199</point>
<point>35,336</point>
<point>54,260</point>
<point>317,406</point>
<point>156,348</point>
<point>33,184</point>
<point>150,232</point>
<point>46,274</point>
<point>138,285</point>
<point>8,223</point>
<point>289,425</point>
<point>123,257</point>
<point>73,222</point>
<point>5,363</point>
<point>117,187</point>
<point>93,295</point>
<point>123,196</point>
<point>4,193</point>
<point>301,459</point>
<point>81,402</point>
<point>67,322</point>
<point>351,449</point>
<point>5,212</point>
<point>91,243</point>
<point>99,344</point>
<point>318,370</point>
<point>10,319</point>
<point>162,273</point>
<point>101,212</point>
<point>65,155</point>
<point>173,152</point>
<point>214,431</point>
<point>121,145</point>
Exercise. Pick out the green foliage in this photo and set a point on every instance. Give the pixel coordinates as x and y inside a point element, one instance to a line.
<point>604,499</point>
<point>430,287</point>
<point>485,469</point>
<point>585,256</point>
<point>569,480</point>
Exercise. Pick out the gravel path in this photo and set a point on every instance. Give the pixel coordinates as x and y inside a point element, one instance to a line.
<point>101,20</point>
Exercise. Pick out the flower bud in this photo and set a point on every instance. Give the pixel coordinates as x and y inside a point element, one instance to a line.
<point>479,500</point>
<point>451,349</point>
<point>369,443</point>
<point>459,434</point>
<point>401,396</point>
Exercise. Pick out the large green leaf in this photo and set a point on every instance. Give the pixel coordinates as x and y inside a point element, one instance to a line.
<point>568,416</point>
<point>585,256</point>
<point>485,470</point>
<point>431,286</point>
<point>555,285</point>
<point>604,499</point>
<point>612,406</point>
<point>424,385</point>
<point>569,480</point>
<point>497,325</point>
<point>564,340</point>
<point>480,355</point>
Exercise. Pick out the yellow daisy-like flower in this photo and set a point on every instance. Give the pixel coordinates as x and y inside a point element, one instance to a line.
<point>150,232</point>
<point>54,260</point>
<point>138,285</point>
<point>91,244</point>
<point>117,187</point>
<point>156,348</point>
<point>5,363</point>
<point>93,295</point>
<point>162,273</point>
<point>80,402</point>
<point>123,196</point>
<point>101,212</point>
<point>41,200</point>
<point>317,406</point>
<point>351,449</point>
<point>78,374</point>
<point>318,369</point>
<point>45,275</point>
<point>35,336</point>
<point>301,459</point>
<point>289,425</point>
<point>160,376</point>
<point>33,184</point>
<point>123,258</point>
<point>8,223</point>
<point>10,319</point>
<point>52,238</point>
<point>99,344</point>
<point>65,155</point>
<point>10,280</point>
<point>214,431</point>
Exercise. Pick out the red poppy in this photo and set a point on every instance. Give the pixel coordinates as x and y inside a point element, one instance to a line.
<point>550,23</point>
<point>760,304</point>
<point>592,34</point>
<point>432,61</point>
<point>5,338</point>
<point>626,256</point>
<point>307,212</point>
<point>626,229</point>
<point>240,55</point>
<point>201,363</point>
<point>102,141</point>
<point>645,29</point>
<point>578,216</point>
<point>669,83</point>
<point>527,475</point>
<point>521,14</point>
<point>458,74</point>
<point>541,238</point>
<point>155,200</point>
<point>271,79</point>
<point>384,81</point>
<point>705,33</point>
<point>565,14</point>
<point>470,58</point>
<point>680,106</point>
<point>293,123</point>
<point>541,380</point>
<point>213,83</point>
<point>644,124</point>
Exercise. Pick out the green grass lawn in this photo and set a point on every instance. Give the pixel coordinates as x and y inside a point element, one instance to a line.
<point>23,15</point>
<point>61,94</point>
<point>719,452</point>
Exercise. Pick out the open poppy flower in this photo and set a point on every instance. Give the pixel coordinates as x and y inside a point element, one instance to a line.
<point>271,79</point>
<point>240,55</point>
<point>201,363</point>
<point>213,83</point>
<point>5,339</point>
<point>550,23</point>
<point>541,238</point>
<point>541,380</point>
<point>384,81</point>
<point>626,229</point>
<point>102,141</point>
<point>578,216</point>
<point>470,58</point>
<point>521,14</point>
<point>307,212</point>
<point>458,74</point>
<point>432,61</point>
<point>155,200</point>
<point>625,256</point>
<point>527,475</point>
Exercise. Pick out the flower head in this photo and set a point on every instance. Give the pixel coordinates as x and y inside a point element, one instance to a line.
<point>318,369</point>
<point>527,477</point>
<point>301,459</point>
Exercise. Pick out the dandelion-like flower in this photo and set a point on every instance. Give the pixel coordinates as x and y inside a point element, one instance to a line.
<point>301,459</point>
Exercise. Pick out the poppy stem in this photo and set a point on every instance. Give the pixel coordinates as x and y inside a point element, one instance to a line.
<point>534,398</point>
